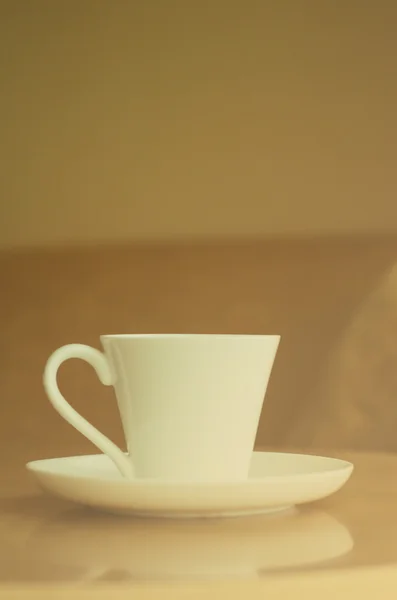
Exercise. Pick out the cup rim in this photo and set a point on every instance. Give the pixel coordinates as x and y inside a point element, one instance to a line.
<point>190,335</point>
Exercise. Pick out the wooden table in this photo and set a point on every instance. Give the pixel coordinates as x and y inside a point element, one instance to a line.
<point>344,544</point>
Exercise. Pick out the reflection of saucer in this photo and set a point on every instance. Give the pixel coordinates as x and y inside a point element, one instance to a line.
<point>276,481</point>
<point>103,546</point>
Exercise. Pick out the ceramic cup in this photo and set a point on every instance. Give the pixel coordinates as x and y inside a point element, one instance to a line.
<point>189,404</point>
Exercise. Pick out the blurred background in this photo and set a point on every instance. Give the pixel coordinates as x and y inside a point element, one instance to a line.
<point>224,166</point>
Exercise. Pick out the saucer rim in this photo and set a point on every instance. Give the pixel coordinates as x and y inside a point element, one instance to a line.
<point>341,465</point>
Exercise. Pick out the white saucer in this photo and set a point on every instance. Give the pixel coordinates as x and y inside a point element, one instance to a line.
<point>277,481</point>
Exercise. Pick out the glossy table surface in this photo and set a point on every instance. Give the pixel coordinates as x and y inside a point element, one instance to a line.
<point>347,539</point>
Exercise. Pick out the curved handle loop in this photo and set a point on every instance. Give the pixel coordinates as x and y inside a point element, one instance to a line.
<point>101,365</point>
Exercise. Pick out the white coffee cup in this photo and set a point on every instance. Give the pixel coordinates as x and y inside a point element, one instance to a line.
<point>189,404</point>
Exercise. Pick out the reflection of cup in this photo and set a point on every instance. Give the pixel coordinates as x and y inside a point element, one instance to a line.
<point>189,404</point>
<point>174,550</point>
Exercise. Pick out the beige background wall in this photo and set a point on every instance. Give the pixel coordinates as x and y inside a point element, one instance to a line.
<point>165,119</point>
<point>162,120</point>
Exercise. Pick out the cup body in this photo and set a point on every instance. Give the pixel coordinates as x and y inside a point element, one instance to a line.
<point>190,404</point>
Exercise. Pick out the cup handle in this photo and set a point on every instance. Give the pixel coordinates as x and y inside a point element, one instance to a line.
<point>101,365</point>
